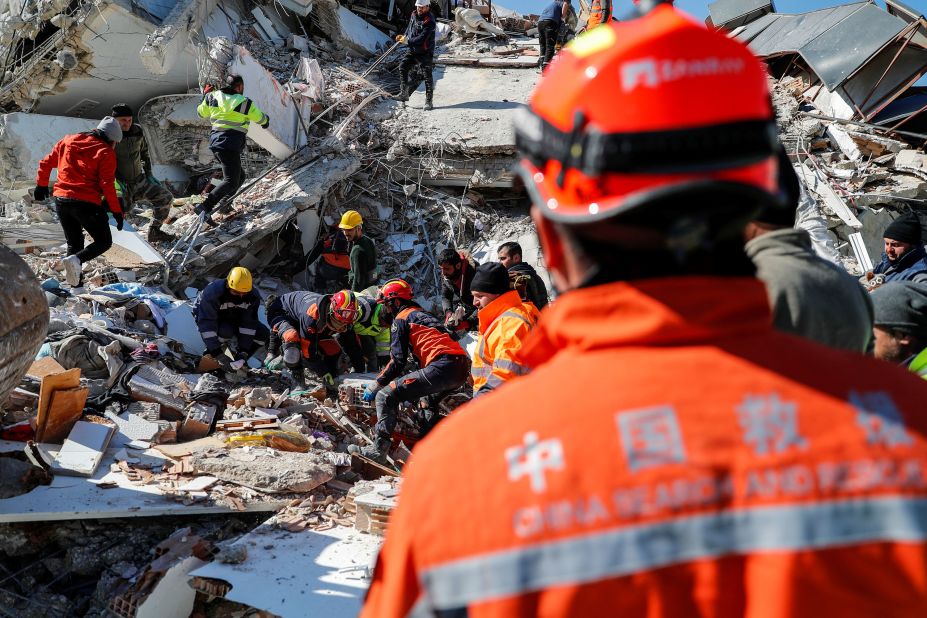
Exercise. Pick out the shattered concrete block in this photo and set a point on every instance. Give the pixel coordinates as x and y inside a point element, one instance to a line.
<point>346,29</point>
<point>259,398</point>
<point>25,139</point>
<point>197,421</point>
<point>277,473</point>
<point>911,159</point>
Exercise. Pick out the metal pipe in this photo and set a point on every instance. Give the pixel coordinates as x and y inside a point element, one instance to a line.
<point>866,124</point>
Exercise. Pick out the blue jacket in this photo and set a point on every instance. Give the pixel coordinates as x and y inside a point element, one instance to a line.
<point>553,12</point>
<point>216,304</point>
<point>420,34</point>
<point>911,267</point>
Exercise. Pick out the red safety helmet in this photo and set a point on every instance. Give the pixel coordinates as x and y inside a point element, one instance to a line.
<point>395,289</point>
<point>343,306</point>
<point>645,109</point>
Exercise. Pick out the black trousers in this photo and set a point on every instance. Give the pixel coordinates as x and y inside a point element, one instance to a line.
<point>547,36</point>
<point>75,217</point>
<point>361,350</point>
<point>232,177</point>
<point>444,374</point>
<point>425,66</point>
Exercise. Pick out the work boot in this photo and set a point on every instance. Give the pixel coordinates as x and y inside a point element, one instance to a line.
<point>156,234</point>
<point>403,93</point>
<point>376,451</point>
<point>224,207</point>
<point>428,105</point>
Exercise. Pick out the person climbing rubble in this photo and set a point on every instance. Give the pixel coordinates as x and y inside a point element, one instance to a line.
<point>524,278</point>
<point>420,39</point>
<point>133,172</point>
<point>230,113</point>
<point>368,348</point>
<point>86,164</point>
<point>504,323</point>
<point>226,313</point>
<point>552,16</point>
<point>362,253</point>
<point>670,453</point>
<point>329,273</point>
<point>443,365</point>
<point>900,325</point>
<point>457,268</point>
<point>905,258</point>
<point>304,326</point>
<point>805,291</point>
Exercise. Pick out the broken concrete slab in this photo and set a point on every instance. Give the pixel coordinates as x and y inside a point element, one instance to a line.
<point>271,472</point>
<point>347,30</point>
<point>25,139</point>
<point>84,449</point>
<point>181,327</point>
<point>328,571</point>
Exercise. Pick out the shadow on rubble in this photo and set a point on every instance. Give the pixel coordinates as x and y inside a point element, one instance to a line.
<point>483,105</point>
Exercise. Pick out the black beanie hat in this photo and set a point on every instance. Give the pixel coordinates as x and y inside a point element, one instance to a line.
<point>901,305</point>
<point>121,109</point>
<point>491,278</point>
<point>906,228</point>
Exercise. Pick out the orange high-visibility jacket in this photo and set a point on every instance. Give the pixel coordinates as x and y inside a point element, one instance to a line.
<point>504,324</point>
<point>669,455</point>
<point>600,11</point>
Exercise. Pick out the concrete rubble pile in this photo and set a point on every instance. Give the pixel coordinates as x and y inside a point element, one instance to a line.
<point>853,131</point>
<point>136,477</point>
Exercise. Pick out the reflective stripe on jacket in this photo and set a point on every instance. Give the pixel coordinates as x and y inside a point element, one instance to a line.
<point>230,111</point>
<point>303,317</point>
<point>423,335</point>
<point>919,364</point>
<point>600,11</point>
<point>217,304</point>
<point>668,455</point>
<point>504,324</point>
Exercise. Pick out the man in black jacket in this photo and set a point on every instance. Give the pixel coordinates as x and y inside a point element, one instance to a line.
<point>420,37</point>
<point>457,269</point>
<point>524,278</point>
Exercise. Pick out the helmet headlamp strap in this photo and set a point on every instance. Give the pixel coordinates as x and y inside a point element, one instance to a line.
<point>574,154</point>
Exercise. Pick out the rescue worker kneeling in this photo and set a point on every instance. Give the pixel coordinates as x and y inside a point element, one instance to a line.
<point>306,323</point>
<point>505,321</point>
<point>226,311</point>
<point>443,364</point>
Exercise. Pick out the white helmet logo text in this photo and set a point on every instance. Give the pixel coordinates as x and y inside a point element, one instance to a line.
<point>651,72</point>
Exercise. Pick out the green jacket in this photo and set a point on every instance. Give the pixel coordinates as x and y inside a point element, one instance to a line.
<point>363,258</point>
<point>132,159</point>
<point>919,364</point>
<point>230,111</point>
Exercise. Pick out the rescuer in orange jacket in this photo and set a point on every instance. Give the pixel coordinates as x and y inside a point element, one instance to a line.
<point>443,364</point>
<point>86,164</point>
<point>669,454</point>
<point>600,12</point>
<point>505,321</point>
<point>307,325</point>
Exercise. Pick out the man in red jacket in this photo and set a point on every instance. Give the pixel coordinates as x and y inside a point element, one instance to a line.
<point>670,454</point>
<point>86,164</point>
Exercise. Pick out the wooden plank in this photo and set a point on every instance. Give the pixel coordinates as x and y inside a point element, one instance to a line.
<point>43,367</point>
<point>176,451</point>
<point>51,382</point>
<point>64,410</point>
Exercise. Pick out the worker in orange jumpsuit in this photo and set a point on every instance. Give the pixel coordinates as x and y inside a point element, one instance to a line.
<point>443,365</point>
<point>600,12</point>
<point>669,454</point>
<point>504,323</point>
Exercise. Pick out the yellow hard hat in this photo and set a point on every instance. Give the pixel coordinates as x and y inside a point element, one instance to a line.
<point>239,280</point>
<point>350,220</point>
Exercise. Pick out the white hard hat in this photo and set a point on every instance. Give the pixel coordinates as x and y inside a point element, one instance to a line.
<point>422,2</point>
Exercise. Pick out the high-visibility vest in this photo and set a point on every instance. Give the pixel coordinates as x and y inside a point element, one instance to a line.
<point>919,364</point>
<point>504,323</point>
<point>600,12</point>
<point>230,111</point>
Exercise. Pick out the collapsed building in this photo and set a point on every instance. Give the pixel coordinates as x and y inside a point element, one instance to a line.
<point>135,481</point>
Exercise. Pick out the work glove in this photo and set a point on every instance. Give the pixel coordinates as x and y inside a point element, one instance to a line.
<point>329,380</point>
<point>452,321</point>
<point>400,38</point>
<point>369,394</point>
<point>237,365</point>
<point>207,88</point>
<point>273,363</point>
<point>40,194</point>
<point>119,220</point>
<point>224,363</point>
